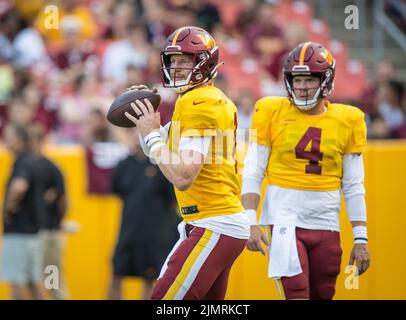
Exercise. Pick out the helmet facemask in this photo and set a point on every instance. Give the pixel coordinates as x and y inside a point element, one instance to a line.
<point>309,59</point>
<point>323,89</point>
<point>202,71</point>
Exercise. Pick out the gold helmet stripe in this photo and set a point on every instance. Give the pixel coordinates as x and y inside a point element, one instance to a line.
<point>303,52</point>
<point>175,38</point>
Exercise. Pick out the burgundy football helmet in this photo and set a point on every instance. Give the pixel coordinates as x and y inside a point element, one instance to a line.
<point>201,46</point>
<point>311,59</point>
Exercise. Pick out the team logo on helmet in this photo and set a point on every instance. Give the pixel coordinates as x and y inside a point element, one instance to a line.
<point>327,56</point>
<point>207,40</point>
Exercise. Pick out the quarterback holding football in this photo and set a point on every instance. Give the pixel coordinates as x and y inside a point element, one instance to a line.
<point>214,230</point>
<point>309,150</point>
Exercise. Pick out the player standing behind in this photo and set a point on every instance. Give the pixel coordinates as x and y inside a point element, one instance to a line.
<point>309,149</point>
<point>214,230</point>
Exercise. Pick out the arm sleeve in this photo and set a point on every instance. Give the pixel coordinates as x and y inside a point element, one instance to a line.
<point>255,164</point>
<point>353,187</point>
<point>199,144</point>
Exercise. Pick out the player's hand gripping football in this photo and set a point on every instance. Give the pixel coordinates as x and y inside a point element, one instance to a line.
<point>142,87</point>
<point>148,120</point>
<point>256,239</point>
<point>360,255</point>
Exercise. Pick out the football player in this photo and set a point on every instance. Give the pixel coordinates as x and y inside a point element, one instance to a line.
<point>199,160</point>
<point>309,149</point>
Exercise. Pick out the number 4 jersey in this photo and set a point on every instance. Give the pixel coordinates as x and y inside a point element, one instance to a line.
<point>307,151</point>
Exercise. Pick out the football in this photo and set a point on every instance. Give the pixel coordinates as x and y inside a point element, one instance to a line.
<point>122,104</point>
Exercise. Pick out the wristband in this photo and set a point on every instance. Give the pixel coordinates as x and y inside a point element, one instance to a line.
<point>252,216</point>
<point>157,144</point>
<point>152,138</point>
<point>360,234</point>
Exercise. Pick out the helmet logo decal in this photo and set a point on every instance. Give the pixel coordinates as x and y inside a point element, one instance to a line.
<point>207,40</point>
<point>327,56</point>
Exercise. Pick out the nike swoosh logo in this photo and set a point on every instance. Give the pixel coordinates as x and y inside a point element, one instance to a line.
<point>196,103</point>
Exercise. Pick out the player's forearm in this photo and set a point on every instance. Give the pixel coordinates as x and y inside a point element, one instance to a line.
<point>358,223</point>
<point>173,166</point>
<point>250,201</point>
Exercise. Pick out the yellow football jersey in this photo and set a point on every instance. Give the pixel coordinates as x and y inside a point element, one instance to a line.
<point>206,111</point>
<point>307,151</point>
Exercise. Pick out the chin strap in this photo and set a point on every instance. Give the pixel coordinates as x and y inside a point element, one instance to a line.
<point>184,89</point>
<point>217,67</point>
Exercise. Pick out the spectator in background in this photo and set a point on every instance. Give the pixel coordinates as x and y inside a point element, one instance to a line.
<point>55,209</point>
<point>390,106</point>
<point>22,218</point>
<point>20,113</point>
<point>29,37</point>
<point>28,10</point>
<point>96,129</point>
<point>35,100</point>
<point>134,75</point>
<point>265,38</point>
<point>180,13</point>
<point>387,118</point>
<point>148,225</point>
<point>10,24</point>
<point>118,18</point>
<point>206,13</point>
<point>29,102</point>
<point>75,54</point>
<point>293,35</point>
<point>132,50</point>
<point>102,153</point>
<point>16,35</point>
<point>248,14</point>
<point>68,10</point>
<point>384,71</point>
<point>75,107</point>
<point>245,104</point>
<point>157,22</point>
<point>7,81</point>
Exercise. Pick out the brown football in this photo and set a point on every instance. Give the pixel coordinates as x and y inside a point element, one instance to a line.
<point>123,102</point>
